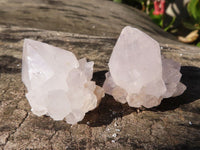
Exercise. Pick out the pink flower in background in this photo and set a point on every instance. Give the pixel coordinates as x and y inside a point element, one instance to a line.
<point>159,7</point>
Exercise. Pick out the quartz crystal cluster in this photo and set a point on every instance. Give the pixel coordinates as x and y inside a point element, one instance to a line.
<point>138,74</point>
<point>58,84</point>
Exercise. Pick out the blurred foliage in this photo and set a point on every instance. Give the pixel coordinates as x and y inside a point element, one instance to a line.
<point>118,1</point>
<point>192,23</point>
<point>193,9</point>
<point>198,44</point>
<point>148,7</point>
<point>157,19</point>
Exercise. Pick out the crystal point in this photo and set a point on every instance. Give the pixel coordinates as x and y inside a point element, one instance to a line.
<point>137,73</point>
<point>58,84</point>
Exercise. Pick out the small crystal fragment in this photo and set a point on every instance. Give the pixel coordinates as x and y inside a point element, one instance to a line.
<point>114,135</point>
<point>113,141</point>
<point>107,129</point>
<point>58,84</point>
<point>118,130</point>
<point>137,73</point>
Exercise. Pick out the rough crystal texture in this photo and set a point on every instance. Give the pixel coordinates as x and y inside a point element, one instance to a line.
<point>58,84</point>
<point>138,75</point>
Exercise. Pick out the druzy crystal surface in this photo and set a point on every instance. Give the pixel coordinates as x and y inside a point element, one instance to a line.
<point>58,84</point>
<point>137,72</point>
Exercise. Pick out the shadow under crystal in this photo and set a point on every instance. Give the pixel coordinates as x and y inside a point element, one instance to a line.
<point>109,109</point>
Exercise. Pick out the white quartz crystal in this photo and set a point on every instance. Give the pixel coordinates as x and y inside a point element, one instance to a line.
<point>58,84</point>
<point>137,73</point>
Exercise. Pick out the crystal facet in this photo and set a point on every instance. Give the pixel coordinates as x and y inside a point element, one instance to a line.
<point>58,84</point>
<point>138,75</point>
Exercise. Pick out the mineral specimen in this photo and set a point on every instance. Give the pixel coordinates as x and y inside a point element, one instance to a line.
<point>58,84</point>
<point>137,73</point>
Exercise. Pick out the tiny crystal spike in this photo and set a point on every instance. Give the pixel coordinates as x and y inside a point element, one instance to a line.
<point>58,84</point>
<point>137,74</point>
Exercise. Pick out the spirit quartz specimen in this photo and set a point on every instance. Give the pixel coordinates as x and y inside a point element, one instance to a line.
<point>58,84</point>
<point>139,74</point>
